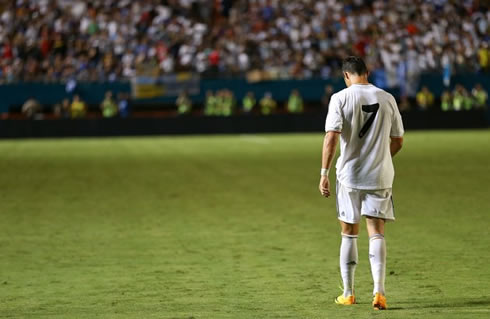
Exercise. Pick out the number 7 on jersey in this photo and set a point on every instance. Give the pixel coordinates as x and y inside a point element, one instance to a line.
<point>368,108</point>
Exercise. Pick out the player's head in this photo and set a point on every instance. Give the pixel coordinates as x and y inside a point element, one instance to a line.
<point>354,70</point>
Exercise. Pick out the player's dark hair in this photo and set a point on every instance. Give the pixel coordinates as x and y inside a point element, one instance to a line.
<point>354,65</point>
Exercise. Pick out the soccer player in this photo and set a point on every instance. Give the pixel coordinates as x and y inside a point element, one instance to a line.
<point>371,132</point>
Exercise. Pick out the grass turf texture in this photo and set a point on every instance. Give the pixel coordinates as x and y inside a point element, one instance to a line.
<point>232,227</point>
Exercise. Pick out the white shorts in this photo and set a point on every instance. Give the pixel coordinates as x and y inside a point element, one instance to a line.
<point>353,203</point>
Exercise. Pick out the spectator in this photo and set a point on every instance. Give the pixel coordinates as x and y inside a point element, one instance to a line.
<point>248,102</point>
<point>31,108</point>
<point>484,57</point>
<point>228,101</point>
<point>184,104</point>
<point>210,104</point>
<point>326,96</point>
<point>295,102</point>
<point>284,38</point>
<point>220,102</point>
<point>123,104</point>
<point>78,108</point>
<point>458,97</point>
<point>425,99</point>
<point>404,104</point>
<point>267,104</point>
<point>467,100</point>
<point>446,99</point>
<point>480,96</point>
<point>462,100</point>
<point>62,110</point>
<point>108,106</point>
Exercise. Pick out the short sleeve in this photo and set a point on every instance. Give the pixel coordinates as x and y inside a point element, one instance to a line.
<point>397,123</point>
<point>334,117</point>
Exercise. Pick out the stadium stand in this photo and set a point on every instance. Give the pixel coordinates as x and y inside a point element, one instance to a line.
<point>52,40</point>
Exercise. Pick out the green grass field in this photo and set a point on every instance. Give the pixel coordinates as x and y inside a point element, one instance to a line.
<point>232,227</point>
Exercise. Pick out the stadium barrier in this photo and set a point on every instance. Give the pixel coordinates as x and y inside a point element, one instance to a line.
<point>278,123</point>
<point>48,94</point>
<point>15,94</point>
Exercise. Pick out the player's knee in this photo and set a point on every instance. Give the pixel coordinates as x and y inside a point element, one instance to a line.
<point>375,226</point>
<point>350,229</point>
<point>376,236</point>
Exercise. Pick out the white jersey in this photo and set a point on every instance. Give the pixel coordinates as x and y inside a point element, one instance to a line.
<point>366,117</point>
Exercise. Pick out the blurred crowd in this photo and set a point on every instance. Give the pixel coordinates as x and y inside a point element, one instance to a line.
<point>76,108</point>
<point>223,103</point>
<point>106,40</point>
<point>460,99</point>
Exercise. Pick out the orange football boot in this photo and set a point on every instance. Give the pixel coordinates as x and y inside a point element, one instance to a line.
<point>345,301</point>
<point>379,302</point>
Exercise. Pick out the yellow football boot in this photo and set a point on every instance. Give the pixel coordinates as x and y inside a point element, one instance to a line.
<point>345,301</point>
<point>379,302</point>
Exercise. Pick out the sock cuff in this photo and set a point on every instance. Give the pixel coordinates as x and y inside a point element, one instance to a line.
<point>348,236</point>
<point>377,236</point>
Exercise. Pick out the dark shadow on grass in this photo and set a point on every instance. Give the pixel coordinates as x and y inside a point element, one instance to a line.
<point>448,304</point>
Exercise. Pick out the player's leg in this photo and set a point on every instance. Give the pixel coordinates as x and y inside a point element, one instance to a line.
<point>377,252</point>
<point>348,208</point>
<point>377,207</point>
<point>377,259</point>
<point>348,256</point>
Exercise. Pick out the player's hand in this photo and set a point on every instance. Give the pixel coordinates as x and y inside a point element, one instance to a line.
<point>324,186</point>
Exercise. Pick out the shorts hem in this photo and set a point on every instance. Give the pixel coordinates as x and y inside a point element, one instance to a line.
<point>348,221</point>
<point>386,218</point>
<point>366,188</point>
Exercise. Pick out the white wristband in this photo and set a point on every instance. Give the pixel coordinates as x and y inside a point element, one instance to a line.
<point>324,172</point>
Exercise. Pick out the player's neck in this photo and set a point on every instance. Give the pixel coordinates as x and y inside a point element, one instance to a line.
<point>360,80</point>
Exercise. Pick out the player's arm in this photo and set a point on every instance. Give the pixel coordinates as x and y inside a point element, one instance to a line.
<point>329,148</point>
<point>396,144</point>
<point>397,131</point>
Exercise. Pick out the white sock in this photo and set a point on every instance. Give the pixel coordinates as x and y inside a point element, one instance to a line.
<point>377,258</point>
<point>348,262</point>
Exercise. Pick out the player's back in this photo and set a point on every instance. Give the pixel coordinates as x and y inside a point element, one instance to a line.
<point>369,116</point>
